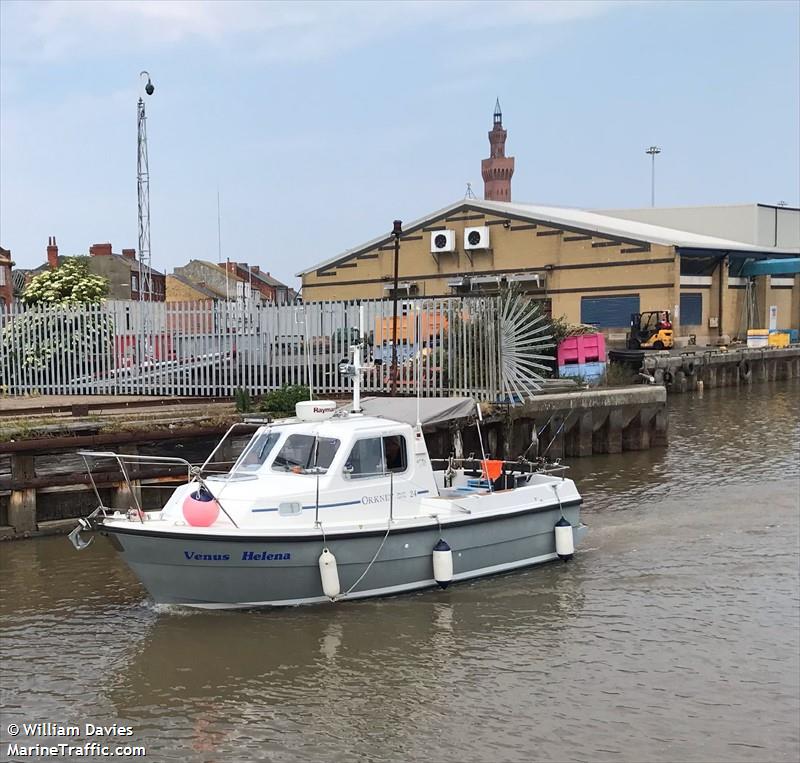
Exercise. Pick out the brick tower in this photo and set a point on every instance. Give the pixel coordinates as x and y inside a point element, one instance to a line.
<point>498,168</point>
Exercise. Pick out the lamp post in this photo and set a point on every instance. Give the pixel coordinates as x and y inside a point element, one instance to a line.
<point>143,192</point>
<point>143,197</point>
<point>653,150</point>
<point>397,229</point>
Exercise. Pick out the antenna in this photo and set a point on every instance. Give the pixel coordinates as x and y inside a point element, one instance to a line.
<point>470,194</point>
<point>298,311</point>
<point>219,231</point>
<point>357,361</point>
<point>484,465</point>
<point>419,363</point>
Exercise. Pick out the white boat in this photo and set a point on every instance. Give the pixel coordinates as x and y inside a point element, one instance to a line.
<point>341,504</point>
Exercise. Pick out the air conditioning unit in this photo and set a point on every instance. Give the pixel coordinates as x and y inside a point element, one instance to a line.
<point>496,279</point>
<point>476,238</point>
<point>443,241</point>
<point>401,286</point>
<point>539,278</point>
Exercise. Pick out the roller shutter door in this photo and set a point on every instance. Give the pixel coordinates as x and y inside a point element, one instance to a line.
<point>609,312</point>
<point>691,309</point>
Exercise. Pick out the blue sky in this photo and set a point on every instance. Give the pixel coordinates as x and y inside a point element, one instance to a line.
<point>322,122</point>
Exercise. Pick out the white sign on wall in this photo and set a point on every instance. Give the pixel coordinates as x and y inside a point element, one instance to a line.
<point>773,317</point>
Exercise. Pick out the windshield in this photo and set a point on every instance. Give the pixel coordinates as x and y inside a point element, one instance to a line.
<point>304,451</point>
<point>257,451</point>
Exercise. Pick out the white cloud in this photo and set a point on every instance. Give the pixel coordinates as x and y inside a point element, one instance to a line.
<point>55,30</point>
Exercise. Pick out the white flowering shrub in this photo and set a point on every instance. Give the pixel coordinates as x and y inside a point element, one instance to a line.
<point>64,331</point>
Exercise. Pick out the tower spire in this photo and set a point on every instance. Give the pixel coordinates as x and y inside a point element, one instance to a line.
<point>498,168</point>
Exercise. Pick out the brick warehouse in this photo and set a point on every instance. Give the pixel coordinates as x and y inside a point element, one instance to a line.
<point>591,267</point>
<point>588,267</point>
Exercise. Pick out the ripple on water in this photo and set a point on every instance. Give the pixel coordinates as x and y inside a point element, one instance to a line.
<point>673,636</point>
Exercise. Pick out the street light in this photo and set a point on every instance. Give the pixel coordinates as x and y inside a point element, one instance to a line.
<point>653,150</point>
<point>149,87</point>
<point>397,229</point>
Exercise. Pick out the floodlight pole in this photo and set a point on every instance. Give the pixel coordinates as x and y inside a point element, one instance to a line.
<point>143,194</point>
<point>653,150</point>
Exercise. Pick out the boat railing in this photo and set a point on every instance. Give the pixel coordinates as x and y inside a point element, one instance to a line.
<point>523,466</point>
<point>124,462</point>
<point>193,471</point>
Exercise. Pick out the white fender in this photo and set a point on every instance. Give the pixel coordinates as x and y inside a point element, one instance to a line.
<point>442,563</point>
<point>565,543</point>
<point>329,573</point>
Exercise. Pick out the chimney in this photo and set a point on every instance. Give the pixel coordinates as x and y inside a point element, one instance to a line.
<point>131,253</point>
<point>98,250</point>
<point>256,269</point>
<point>52,253</point>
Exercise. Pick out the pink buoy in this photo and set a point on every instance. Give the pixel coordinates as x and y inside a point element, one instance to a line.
<point>200,509</point>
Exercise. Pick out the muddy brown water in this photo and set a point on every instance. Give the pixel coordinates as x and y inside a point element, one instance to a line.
<point>674,635</point>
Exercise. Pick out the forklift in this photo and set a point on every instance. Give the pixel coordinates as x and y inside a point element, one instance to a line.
<point>650,331</point>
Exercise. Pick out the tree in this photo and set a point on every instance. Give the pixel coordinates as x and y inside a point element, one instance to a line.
<point>69,284</point>
<point>63,327</point>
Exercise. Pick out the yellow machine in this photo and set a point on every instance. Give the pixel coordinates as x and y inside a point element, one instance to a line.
<point>650,331</point>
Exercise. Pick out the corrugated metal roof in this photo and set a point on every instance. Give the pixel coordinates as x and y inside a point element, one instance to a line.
<point>571,219</point>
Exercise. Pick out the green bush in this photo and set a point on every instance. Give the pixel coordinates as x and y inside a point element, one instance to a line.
<point>283,400</point>
<point>242,399</point>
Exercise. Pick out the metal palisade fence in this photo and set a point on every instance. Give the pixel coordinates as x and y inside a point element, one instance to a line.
<point>481,346</point>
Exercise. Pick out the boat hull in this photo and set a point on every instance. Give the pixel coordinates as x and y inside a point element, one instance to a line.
<point>233,571</point>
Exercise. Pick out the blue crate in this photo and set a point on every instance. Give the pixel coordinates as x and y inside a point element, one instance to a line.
<point>592,372</point>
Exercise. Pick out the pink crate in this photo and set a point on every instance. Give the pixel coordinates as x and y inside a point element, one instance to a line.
<point>589,348</point>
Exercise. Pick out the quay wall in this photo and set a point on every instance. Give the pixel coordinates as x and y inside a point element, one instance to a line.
<point>44,487</point>
<point>717,368</point>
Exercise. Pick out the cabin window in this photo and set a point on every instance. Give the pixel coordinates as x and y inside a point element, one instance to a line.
<point>394,452</point>
<point>257,451</point>
<point>376,456</point>
<point>305,451</point>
